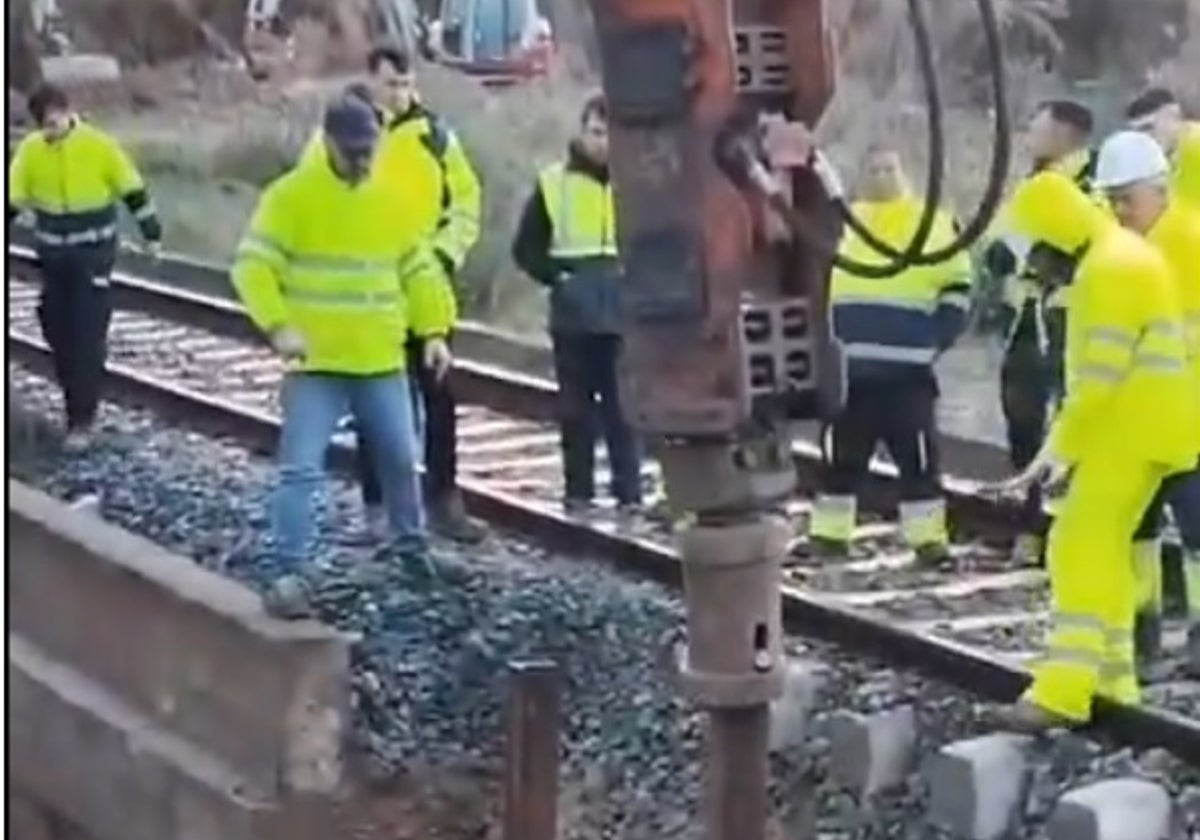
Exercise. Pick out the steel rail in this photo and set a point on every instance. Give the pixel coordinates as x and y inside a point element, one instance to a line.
<point>533,397</point>
<point>804,614</point>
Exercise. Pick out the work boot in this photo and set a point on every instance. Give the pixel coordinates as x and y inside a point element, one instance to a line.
<point>409,556</point>
<point>289,598</point>
<point>1191,665</point>
<point>1027,718</point>
<point>374,529</point>
<point>448,518</point>
<point>934,555</point>
<point>1147,637</point>
<point>825,548</point>
<point>1027,551</point>
<point>78,439</point>
<point>582,508</point>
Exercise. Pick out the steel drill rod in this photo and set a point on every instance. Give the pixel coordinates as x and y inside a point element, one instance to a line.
<point>736,773</point>
<point>531,762</point>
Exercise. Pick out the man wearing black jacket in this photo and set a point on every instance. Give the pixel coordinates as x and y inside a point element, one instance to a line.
<point>566,241</point>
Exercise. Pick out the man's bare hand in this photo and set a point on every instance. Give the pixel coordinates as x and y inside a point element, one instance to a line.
<point>438,357</point>
<point>288,343</point>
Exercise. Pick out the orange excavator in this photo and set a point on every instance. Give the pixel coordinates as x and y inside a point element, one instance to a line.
<point>728,219</point>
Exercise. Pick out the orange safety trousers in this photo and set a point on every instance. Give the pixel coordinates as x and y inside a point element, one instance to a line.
<point>1089,649</point>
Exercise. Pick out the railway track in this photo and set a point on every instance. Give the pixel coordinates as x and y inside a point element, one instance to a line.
<point>197,359</point>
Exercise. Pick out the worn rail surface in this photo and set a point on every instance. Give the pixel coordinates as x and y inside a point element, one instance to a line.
<point>974,626</point>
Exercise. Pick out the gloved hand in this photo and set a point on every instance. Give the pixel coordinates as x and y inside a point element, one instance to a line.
<point>153,249</point>
<point>1045,469</point>
<point>437,356</point>
<point>288,343</point>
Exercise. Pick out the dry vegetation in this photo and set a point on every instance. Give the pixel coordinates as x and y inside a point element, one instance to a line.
<point>207,146</point>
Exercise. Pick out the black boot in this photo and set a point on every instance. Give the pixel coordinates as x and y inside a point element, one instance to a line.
<point>448,518</point>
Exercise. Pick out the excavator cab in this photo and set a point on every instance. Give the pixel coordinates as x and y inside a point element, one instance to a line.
<point>500,41</point>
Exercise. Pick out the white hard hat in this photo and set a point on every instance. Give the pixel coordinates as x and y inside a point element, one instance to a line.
<point>1129,157</point>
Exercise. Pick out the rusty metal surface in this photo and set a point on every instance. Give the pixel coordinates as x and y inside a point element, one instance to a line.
<point>805,613</point>
<point>534,723</point>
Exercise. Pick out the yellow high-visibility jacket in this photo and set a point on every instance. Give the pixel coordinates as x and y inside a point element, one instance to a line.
<point>894,324</point>
<point>1129,386</point>
<point>73,186</point>
<point>1186,178</point>
<point>347,267</point>
<point>1177,236</point>
<point>426,157</point>
<point>1078,166</point>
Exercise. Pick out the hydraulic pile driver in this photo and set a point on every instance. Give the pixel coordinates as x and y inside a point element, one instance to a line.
<point>727,337</point>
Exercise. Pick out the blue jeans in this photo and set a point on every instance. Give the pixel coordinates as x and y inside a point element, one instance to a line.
<point>312,405</point>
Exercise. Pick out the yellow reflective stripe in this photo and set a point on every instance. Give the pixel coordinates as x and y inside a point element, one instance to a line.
<point>1078,621</point>
<point>1158,361</point>
<point>254,245</point>
<point>1073,656</point>
<point>79,237</point>
<point>1165,329</point>
<point>1102,372</point>
<point>332,264</point>
<point>1111,335</point>
<point>344,299</point>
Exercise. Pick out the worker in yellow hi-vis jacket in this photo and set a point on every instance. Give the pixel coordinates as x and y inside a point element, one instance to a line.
<point>336,273</point>
<point>70,176</point>
<point>1134,172</point>
<point>891,332</point>
<point>1159,113</point>
<point>423,153</point>
<point>1127,422</point>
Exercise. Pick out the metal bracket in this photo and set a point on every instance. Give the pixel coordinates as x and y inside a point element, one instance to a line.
<point>779,348</point>
<point>761,57</point>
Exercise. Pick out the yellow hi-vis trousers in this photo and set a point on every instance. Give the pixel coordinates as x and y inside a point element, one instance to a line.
<point>1089,650</point>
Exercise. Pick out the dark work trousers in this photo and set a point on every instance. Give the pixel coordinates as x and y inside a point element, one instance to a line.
<point>586,365</point>
<point>1028,383</point>
<point>74,312</point>
<point>441,435</point>
<point>1182,493</point>
<point>901,414</point>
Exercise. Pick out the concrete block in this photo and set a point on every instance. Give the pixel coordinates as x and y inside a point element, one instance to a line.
<point>872,753</point>
<point>790,714</point>
<point>1116,809</point>
<point>189,649</point>
<point>96,762</point>
<point>27,819</point>
<point>975,786</point>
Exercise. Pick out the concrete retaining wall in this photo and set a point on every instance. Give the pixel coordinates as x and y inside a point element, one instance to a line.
<point>152,699</point>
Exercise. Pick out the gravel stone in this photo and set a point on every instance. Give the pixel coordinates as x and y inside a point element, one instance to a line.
<point>429,660</point>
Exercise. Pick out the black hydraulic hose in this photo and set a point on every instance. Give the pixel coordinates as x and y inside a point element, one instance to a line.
<point>1001,158</point>
<point>934,172</point>
<point>1001,154</point>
